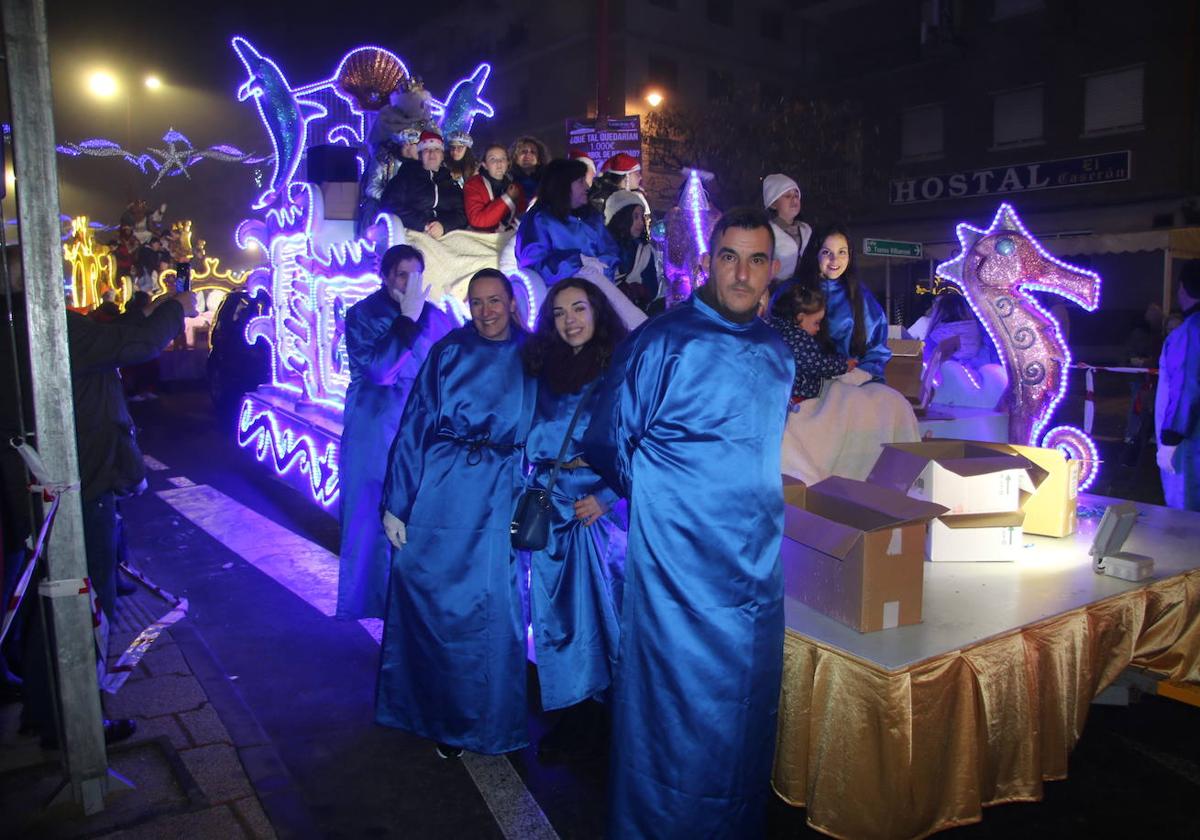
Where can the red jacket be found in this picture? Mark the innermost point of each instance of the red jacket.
(485, 211)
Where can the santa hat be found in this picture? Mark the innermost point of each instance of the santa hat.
(621, 199)
(581, 155)
(622, 164)
(430, 140)
(775, 185)
(461, 138)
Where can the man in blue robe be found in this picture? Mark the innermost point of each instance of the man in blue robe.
(689, 428)
(1177, 404)
(388, 336)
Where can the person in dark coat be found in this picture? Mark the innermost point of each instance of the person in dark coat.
(423, 194)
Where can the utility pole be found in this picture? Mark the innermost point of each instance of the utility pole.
(602, 61)
(28, 63)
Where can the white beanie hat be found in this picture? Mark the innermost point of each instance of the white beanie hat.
(621, 199)
(775, 185)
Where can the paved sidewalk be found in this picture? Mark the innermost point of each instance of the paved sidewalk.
(191, 777)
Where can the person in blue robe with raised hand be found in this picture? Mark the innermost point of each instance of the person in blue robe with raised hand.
(1177, 403)
(575, 581)
(688, 428)
(452, 667)
(388, 336)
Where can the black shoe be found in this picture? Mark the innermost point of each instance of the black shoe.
(125, 587)
(447, 751)
(115, 731)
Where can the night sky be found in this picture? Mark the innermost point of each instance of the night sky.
(188, 48)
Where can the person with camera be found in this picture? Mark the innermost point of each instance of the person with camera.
(576, 577)
(452, 667)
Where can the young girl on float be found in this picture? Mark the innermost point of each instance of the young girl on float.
(841, 431)
(781, 198)
(575, 582)
(798, 315)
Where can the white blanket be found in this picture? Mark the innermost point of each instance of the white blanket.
(841, 431)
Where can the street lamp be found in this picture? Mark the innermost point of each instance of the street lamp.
(102, 84)
(654, 98)
(153, 82)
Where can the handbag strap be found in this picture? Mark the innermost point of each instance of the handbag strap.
(562, 451)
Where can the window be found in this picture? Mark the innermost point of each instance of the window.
(719, 12)
(720, 84)
(921, 133)
(771, 25)
(1012, 8)
(1113, 101)
(663, 71)
(1017, 117)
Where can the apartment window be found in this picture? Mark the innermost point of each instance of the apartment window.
(1017, 117)
(719, 12)
(921, 133)
(1012, 8)
(771, 25)
(663, 71)
(1113, 101)
(720, 84)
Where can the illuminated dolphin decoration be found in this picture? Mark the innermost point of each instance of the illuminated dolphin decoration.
(688, 225)
(285, 116)
(463, 103)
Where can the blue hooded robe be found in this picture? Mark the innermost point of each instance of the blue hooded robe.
(1177, 412)
(689, 427)
(554, 248)
(384, 350)
(452, 667)
(839, 316)
(575, 582)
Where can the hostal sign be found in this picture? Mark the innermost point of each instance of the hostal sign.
(1020, 177)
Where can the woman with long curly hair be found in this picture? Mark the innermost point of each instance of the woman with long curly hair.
(575, 582)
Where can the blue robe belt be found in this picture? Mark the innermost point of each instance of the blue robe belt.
(475, 445)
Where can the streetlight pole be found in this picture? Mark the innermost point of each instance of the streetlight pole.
(28, 65)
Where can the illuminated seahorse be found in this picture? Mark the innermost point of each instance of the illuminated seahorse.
(997, 269)
(688, 226)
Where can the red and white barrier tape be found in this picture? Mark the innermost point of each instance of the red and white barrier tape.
(119, 672)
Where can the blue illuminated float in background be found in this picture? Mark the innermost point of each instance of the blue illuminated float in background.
(316, 268)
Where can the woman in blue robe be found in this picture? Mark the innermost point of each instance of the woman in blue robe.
(562, 235)
(575, 581)
(688, 430)
(452, 668)
(384, 349)
(857, 324)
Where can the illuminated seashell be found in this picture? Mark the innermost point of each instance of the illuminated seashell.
(369, 75)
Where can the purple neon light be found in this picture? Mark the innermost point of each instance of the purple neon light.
(951, 270)
(1077, 446)
(287, 449)
(696, 205)
(531, 318)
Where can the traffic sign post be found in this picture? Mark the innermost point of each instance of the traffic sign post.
(890, 249)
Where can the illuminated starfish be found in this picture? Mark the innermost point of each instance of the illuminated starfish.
(174, 161)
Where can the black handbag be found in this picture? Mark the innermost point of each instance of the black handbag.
(530, 528)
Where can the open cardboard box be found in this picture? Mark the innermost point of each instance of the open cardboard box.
(965, 476)
(975, 538)
(855, 551)
(1052, 511)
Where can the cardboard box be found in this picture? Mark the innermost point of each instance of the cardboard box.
(975, 538)
(1052, 511)
(964, 476)
(904, 373)
(855, 552)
